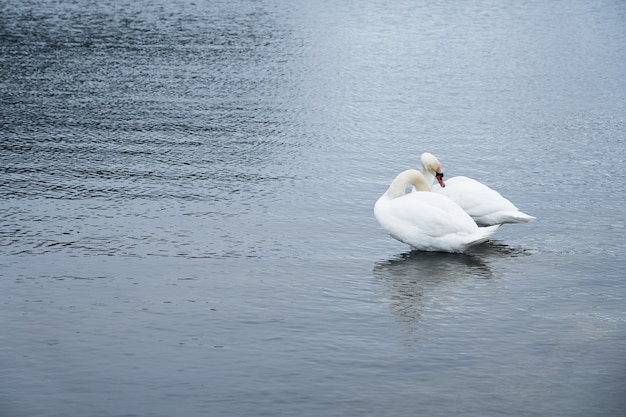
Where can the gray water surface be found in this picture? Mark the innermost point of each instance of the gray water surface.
(187, 191)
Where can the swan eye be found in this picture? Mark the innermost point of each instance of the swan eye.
(439, 174)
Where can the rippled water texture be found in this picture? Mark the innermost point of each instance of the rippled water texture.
(187, 190)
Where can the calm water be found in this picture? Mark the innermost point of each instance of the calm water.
(187, 191)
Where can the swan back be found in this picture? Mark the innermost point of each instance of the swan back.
(484, 204)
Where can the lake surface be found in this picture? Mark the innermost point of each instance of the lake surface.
(187, 191)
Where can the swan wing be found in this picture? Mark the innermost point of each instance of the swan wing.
(433, 215)
(484, 204)
(428, 221)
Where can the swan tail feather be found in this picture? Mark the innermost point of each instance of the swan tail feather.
(484, 233)
(488, 231)
(504, 217)
(518, 217)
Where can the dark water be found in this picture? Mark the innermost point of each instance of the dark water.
(187, 191)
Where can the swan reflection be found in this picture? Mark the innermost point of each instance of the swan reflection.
(410, 276)
(498, 249)
(413, 277)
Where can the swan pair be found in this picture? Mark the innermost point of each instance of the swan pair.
(436, 221)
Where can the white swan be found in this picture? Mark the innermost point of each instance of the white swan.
(485, 205)
(424, 220)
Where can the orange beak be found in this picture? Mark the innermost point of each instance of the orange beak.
(440, 179)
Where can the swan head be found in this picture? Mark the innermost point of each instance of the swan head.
(432, 165)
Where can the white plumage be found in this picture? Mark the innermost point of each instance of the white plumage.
(485, 205)
(424, 220)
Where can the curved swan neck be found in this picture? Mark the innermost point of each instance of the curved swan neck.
(403, 180)
(430, 167)
(429, 177)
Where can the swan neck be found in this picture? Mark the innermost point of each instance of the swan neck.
(403, 180)
(429, 177)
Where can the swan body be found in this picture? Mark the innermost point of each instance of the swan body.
(485, 205)
(424, 220)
